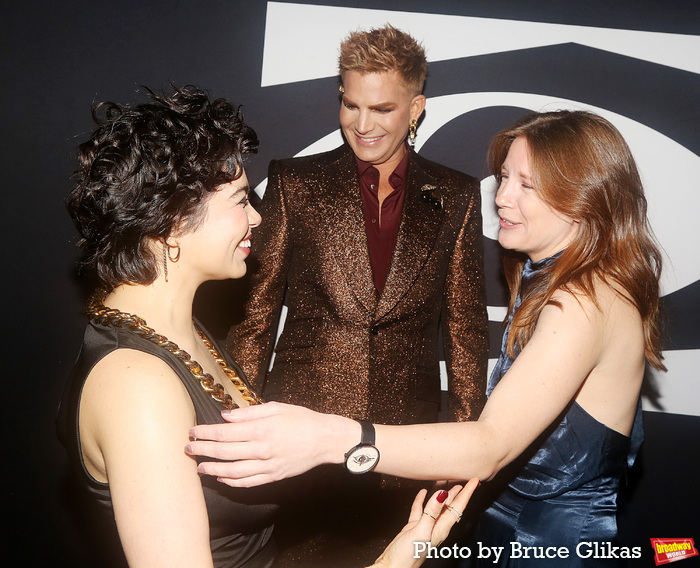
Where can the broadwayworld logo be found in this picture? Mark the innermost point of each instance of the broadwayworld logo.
(671, 549)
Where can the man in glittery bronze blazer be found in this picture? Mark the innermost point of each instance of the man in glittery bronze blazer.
(376, 248)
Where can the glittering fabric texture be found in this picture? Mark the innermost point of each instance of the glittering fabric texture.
(343, 349)
(347, 350)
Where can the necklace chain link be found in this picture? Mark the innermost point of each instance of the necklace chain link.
(99, 313)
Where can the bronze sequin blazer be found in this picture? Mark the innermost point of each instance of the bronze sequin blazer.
(344, 349)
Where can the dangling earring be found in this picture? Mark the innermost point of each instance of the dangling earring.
(412, 133)
(167, 254)
(165, 261)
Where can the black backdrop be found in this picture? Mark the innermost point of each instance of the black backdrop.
(58, 58)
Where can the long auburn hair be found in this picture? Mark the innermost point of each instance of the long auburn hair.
(581, 166)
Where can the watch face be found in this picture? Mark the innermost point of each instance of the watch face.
(362, 459)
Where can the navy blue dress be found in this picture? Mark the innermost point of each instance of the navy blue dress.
(563, 490)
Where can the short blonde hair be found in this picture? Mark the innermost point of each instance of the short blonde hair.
(385, 49)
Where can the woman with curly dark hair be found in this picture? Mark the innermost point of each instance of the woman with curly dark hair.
(161, 205)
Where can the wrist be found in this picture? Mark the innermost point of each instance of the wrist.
(344, 433)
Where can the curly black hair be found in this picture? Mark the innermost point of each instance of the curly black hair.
(145, 173)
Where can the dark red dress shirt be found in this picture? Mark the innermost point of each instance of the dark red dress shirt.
(382, 239)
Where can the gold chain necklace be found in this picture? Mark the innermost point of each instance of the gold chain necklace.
(98, 312)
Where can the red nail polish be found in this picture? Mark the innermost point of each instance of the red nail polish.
(441, 496)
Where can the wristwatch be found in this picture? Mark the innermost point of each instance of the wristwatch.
(365, 456)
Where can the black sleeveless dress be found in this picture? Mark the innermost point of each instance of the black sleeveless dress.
(240, 520)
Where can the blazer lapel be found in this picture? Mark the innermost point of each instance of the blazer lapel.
(420, 226)
(346, 230)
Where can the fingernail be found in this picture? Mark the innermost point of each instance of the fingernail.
(441, 496)
(226, 412)
(188, 449)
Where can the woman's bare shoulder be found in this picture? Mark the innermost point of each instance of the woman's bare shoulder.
(131, 372)
(133, 386)
(595, 304)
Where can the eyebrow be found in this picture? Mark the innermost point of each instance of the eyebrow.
(380, 106)
(527, 177)
(245, 189)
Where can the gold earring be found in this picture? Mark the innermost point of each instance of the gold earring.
(341, 89)
(170, 256)
(167, 254)
(165, 261)
(412, 133)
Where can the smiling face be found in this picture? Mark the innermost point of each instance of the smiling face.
(528, 224)
(218, 248)
(375, 114)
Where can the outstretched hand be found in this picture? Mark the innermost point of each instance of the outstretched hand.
(272, 441)
(426, 526)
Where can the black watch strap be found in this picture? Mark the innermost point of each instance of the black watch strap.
(368, 433)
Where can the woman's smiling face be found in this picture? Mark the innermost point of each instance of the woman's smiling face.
(528, 224)
(219, 246)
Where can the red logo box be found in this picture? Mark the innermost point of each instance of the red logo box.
(672, 549)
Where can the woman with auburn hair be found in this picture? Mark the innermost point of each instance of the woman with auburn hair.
(563, 418)
(583, 168)
(161, 205)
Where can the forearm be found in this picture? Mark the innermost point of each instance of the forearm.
(452, 450)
